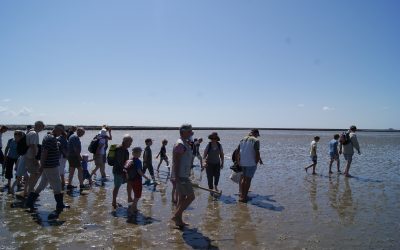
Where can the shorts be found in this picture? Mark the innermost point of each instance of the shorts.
(32, 166)
(184, 187)
(314, 159)
(99, 160)
(348, 157)
(249, 171)
(63, 161)
(334, 156)
(74, 161)
(21, 168)
(137, 187)
(119, 179)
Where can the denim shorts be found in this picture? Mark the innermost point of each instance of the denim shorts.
(249, 171)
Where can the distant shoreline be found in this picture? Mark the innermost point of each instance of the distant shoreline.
(93, 127)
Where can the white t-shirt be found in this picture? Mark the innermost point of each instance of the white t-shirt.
(248, 147)
(313, 148)
(32, 138)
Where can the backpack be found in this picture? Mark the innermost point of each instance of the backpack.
(344, 138)
(234, 154)
(94, 144)
(111, 155)
(22, 147)
(209, 147)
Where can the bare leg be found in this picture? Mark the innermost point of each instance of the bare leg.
(129, 189)
(114, 198)
(330, 166)
(80, 176)
(32, 182)
(183, 204)
(71, 175)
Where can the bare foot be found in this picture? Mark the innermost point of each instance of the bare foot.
(314, 173)
(330, 172)
(305, 169)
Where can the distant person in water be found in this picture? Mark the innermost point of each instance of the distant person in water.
(313, 154)
(334, 153)
(163, 155)
(349, 142)
(196, 151)
(181, 167)
(148, 158)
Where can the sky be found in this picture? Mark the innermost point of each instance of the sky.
(253, 63)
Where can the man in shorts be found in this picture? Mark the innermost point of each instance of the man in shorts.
(49, 162)
(121, 156)
(348, 149)
(248, 158)
(181, 166)
(31, 162)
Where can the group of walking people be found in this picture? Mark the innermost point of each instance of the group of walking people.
(48, 161)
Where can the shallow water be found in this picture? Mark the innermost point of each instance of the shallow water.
(289, 208)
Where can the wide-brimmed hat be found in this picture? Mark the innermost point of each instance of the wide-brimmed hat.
(214, 135)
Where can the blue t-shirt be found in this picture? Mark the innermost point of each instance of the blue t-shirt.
(333, 144)
(12, 149)
(133, 169)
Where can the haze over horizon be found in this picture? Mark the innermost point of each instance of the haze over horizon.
(268, 64)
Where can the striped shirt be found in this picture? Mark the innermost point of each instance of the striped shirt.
(50, 144)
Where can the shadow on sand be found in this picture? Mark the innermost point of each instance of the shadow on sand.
(135, 218)
(196, 239)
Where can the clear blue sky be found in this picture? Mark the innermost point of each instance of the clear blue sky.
(211, 63)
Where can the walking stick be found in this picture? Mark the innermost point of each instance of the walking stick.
(219, 193)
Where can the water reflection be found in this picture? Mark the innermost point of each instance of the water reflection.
(244, 228)
(342, 201)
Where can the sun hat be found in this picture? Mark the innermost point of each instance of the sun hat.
(214, 135)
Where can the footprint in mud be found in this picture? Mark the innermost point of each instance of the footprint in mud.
(92, 226)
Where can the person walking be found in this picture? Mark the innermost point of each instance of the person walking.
(75, 158)
(248, 158)
(349, 142)
(214, 160)
(181, 166)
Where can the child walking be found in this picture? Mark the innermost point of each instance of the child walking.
(334, 153)
(134, 174)
(85, 168)
(163, 155)
(313, 154)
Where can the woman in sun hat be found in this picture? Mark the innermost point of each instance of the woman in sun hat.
(214, 160)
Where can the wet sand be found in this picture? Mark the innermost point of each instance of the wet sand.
(290, 209)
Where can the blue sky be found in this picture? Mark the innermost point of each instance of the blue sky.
(231, 63)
